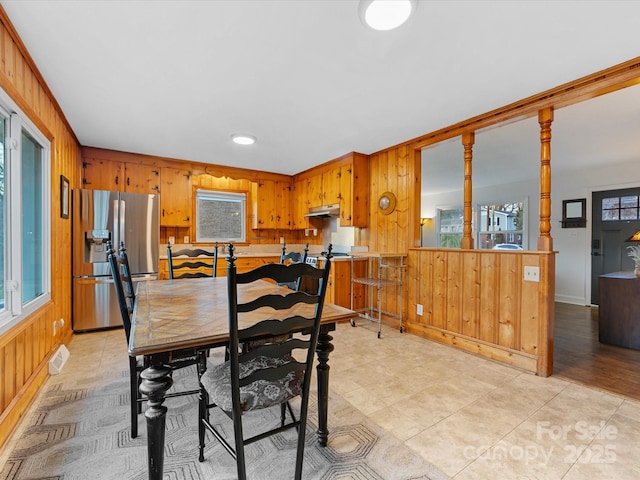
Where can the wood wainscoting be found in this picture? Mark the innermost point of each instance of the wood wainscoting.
(478, 301)
(25, 351)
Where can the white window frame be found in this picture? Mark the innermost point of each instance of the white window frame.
(213, 195)
(14, 310)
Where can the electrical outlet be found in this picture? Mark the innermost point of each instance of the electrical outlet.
(186, 239)
(172, 240)
(281, 240)
(419, 309)
(532, 274)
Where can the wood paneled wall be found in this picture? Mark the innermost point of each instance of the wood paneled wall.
(26, 348)
(478, 300)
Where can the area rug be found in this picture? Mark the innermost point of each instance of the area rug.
(81, 432)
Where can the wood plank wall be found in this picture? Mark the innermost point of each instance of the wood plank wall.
(26, 348)
(396, 170)
(478, 301)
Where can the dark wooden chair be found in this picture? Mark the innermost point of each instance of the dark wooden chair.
(293, 257)
(192, 262)
(272, 374)
(125, 292)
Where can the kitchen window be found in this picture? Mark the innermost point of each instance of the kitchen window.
(220, 216)
(25, 206)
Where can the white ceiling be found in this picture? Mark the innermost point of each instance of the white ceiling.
(177, 78)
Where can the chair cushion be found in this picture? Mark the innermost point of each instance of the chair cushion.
(253, 344)
(257, 395)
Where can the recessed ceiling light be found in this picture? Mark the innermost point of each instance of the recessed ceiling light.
(386, 14)
(243, 139)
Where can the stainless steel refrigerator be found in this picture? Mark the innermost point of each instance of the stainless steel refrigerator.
(99, 216)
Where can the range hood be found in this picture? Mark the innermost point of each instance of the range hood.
(332, 210)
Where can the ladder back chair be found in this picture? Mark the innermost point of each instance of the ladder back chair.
(125, 293)
(273, 373)
(293, 257)
(192, 262)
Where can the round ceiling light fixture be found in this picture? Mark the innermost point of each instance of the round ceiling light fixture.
(243, 139)
(386, 14)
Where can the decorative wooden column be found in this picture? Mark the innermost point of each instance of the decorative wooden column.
(545, 118)
(468, 139)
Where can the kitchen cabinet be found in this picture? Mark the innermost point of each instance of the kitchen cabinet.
(324, 188)
(331, 186)
(299, 204)
(102, 174)
(345, 182)
(141, 178)
(283, 205)
(175, 197)
(314, 191)
(271, 204)
(354, 192)
(264, 204)
(113, 175)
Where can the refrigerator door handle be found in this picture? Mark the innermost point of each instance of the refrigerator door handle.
(121, 217)
(115, 241)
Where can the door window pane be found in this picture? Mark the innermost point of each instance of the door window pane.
(620, 208)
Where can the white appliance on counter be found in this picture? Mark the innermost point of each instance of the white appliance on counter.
(100, 216)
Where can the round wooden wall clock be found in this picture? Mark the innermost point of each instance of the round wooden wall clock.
(387, 203)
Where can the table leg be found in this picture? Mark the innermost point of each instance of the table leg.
(323, 349)
(156, 380)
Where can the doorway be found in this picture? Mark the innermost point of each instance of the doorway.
(615, 217)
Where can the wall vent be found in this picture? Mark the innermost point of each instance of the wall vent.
(58, 360)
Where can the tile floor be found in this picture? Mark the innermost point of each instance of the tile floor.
(475, 419)
(470, 417)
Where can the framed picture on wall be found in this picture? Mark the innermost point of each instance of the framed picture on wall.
(64, 196)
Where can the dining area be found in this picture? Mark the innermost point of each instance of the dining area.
(258, 318)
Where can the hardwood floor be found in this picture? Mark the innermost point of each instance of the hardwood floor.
(580, 357)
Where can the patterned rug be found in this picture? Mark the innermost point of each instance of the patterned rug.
(81, 432)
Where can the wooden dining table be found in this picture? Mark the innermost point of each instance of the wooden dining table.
(173, 318)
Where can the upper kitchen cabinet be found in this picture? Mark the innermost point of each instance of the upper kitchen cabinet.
(299, 203)
(354, 191)
(141, 178)
(331, 186)
(175, 197)
(283, 205)
(314, 191)
(343, 181)
(271, 204)
(101, 174)
(324, 188)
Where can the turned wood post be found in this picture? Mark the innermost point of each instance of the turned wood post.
(468, 140)
(545, 118)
